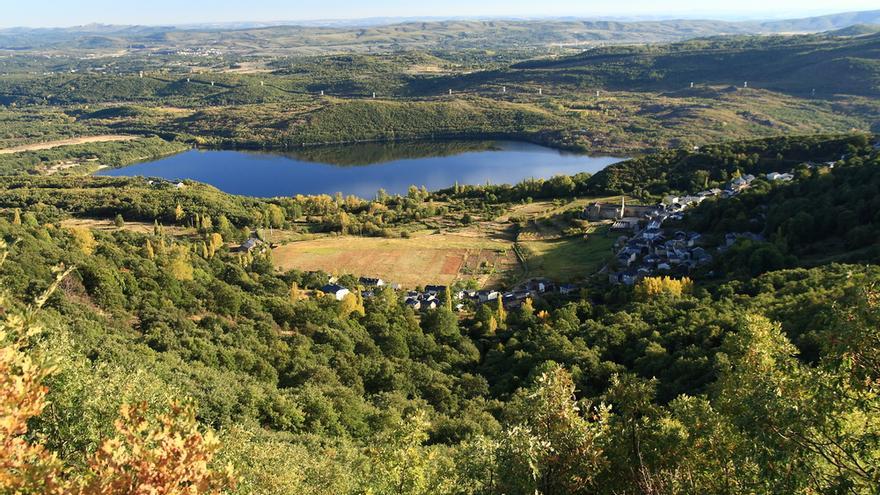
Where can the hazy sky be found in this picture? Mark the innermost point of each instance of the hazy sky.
(77, 12)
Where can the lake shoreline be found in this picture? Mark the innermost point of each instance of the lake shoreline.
(365, 168)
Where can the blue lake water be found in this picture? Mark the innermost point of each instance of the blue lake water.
(364, 169)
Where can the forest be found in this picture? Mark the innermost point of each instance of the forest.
(152, 343)
(764, 381)
(627, 100)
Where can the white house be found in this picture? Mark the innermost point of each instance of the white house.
(337, 291)
(774, 176)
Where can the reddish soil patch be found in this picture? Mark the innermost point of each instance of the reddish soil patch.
(452, 264)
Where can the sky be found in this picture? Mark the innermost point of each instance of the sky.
(54, 13)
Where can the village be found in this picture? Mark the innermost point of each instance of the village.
(433, 296)
(647, 249)
(646, 246)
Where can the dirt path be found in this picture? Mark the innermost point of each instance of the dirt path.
(66, 142)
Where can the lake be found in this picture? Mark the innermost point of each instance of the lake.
(363, 169)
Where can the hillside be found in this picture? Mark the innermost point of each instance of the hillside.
(498, 34)
(702, 316)
(299, 392)
(792, 64)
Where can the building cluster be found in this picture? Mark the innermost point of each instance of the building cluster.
(433, 296)
(191, 52)
(646, 250)
(649, 249)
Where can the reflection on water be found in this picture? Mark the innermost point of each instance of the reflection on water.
(375, 153)
(365, 168)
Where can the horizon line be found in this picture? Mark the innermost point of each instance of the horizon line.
(729, 16)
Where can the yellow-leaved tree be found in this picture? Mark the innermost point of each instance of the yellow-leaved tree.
(180, 267)
(655, 286)
(155, 454)
(161, 455)
(84, 239)
(24, 467)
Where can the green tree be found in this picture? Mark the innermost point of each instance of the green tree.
(295, 293)
(224, 226)
(227, 299)
(443, 324)
(399, 462)
(555, 443)
(816, 421)
(447, 298)
(500, 312)
(148, 250)
(350, 305)
(274, 216)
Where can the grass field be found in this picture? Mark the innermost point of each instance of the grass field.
(482, 251)
(65, 142)
(139, 227)
(427, 259)
(568, 259)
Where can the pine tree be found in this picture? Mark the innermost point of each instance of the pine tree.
(161, 247)
(500, 313)
(84, 240)
(215, 242)
(360, 301)
(148, 250)
(180, 267)
(492, 327)
(119, 222)
(295, 293)
(206, 224)
(447, 298)
(527, 307)
(344, 222)
(223, 225)
(178, 213)
(653, 286)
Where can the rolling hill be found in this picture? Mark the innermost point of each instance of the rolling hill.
(499, 34)
(797, 65)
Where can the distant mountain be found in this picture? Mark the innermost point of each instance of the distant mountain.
(857, 30)
(821, 23)
(829, 64)
(383, 34)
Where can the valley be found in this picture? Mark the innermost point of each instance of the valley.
(438, 256)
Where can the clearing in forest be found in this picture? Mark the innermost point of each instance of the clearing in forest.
(418, 261)
(66, 142)
(107, 225)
